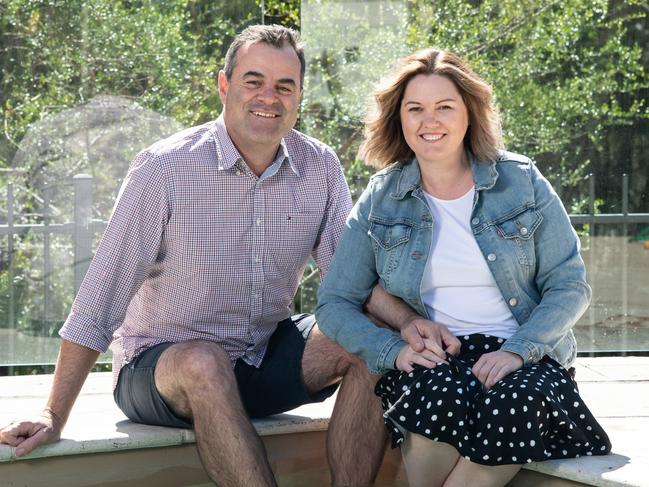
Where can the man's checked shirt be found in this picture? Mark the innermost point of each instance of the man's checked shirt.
(198, 247)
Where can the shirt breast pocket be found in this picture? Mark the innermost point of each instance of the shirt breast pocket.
(518, 231)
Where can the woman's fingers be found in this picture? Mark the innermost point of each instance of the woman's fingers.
(407, 358)
(494, 366)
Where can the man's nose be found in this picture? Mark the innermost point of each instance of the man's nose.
(267, 94)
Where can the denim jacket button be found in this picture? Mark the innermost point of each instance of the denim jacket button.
(475, 221)
(513, 302)
(491, 257)
(524, 231)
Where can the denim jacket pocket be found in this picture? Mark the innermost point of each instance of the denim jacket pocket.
(389, 234)
(390, 240)
(519, 230)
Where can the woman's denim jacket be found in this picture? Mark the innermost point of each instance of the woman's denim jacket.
(521, 228)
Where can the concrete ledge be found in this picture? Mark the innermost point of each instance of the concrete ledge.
(96, 424)
(616, 389)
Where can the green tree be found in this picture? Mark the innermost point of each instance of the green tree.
(566, 74)
(57, 55)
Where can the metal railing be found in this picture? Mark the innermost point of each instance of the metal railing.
(83, 230)
(592, 218)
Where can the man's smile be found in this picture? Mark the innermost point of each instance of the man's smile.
(264, 114)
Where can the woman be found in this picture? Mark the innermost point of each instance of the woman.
(475, 239)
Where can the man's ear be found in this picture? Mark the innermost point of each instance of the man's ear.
(224, 85)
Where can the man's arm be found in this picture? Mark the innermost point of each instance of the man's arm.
(72, 368)
(419, 332)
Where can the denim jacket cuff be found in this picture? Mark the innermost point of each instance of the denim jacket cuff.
(527, 351)
(388, 354)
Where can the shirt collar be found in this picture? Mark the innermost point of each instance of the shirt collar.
(484, 176)
(228, 155)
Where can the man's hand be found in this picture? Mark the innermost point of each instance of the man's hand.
(407, 358)
(27, 435)
(422, 334)
(492, 367)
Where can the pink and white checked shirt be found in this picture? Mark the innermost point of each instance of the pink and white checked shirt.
(198, 247)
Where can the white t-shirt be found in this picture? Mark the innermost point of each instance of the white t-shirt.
(457, 287)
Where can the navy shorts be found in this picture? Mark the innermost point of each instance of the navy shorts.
(275, 387)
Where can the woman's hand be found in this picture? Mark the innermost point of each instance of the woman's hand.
(422, 334)
(493, 366)
(407, 358)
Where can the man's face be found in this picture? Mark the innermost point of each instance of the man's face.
(262, 97)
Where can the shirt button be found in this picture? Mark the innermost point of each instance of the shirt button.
(475, 221)
(258, 222)
(513, 302)
(491, 257)
(524, 231)
(257, 259)
(238, 173)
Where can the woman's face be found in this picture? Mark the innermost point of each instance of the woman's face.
(434, 119)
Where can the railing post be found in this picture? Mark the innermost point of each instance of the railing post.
(591, 245)
(82, 227)
(10, 251)
(47, 263)
(625, 258)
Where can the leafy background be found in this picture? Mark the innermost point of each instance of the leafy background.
(570, 79)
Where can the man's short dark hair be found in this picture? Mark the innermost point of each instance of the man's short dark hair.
(273, 35)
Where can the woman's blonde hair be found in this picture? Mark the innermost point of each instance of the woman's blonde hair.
(384, 142)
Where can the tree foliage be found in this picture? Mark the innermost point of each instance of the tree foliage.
(566, 74)
(570, 78)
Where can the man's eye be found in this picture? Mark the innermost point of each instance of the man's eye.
(285, 90)
(253, 82)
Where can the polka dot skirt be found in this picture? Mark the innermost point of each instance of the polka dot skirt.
(531, 415)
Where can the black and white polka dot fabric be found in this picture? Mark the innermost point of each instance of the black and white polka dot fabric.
(531, 415)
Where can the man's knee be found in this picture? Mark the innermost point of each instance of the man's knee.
(195, 362)
(343, 361)
(325, 362)
(349, 363)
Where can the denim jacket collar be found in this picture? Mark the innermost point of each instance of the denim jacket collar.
(485, 176)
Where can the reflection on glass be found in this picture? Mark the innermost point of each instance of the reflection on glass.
(84, 86)
(66, 176)
(549, 94)
(352, 44)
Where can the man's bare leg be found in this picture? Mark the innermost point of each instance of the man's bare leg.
(357, 437)
(196, 380)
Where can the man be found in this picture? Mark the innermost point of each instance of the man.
(195, 275)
